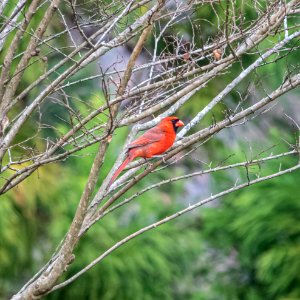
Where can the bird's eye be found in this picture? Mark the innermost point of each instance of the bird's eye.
(175, 121)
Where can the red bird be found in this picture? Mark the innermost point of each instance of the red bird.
(154, 141)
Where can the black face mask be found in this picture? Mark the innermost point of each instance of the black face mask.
(174, 124)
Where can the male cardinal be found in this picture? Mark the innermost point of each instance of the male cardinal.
(154, 141)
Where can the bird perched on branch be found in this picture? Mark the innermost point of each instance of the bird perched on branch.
(153, 142)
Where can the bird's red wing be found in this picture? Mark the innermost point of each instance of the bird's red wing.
(151, 136)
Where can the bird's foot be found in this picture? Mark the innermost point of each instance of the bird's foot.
(160, 156)
(148, 164)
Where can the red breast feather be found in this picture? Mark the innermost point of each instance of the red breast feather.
(153, 142)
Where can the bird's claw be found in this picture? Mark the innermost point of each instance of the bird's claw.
(160, 156)
(148, 164)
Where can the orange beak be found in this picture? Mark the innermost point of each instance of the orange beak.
(179, 123)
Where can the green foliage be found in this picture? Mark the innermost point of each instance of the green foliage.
(146, 268)
(149, 267)
(25, 216)
(246, 248)
(261, 226)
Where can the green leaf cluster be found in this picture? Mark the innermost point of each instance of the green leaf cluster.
(258, 229)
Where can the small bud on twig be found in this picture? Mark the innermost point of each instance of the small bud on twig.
(217, 54)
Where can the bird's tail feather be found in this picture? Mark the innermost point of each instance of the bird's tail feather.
(120, 169)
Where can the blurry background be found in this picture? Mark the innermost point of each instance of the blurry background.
(243, 246)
